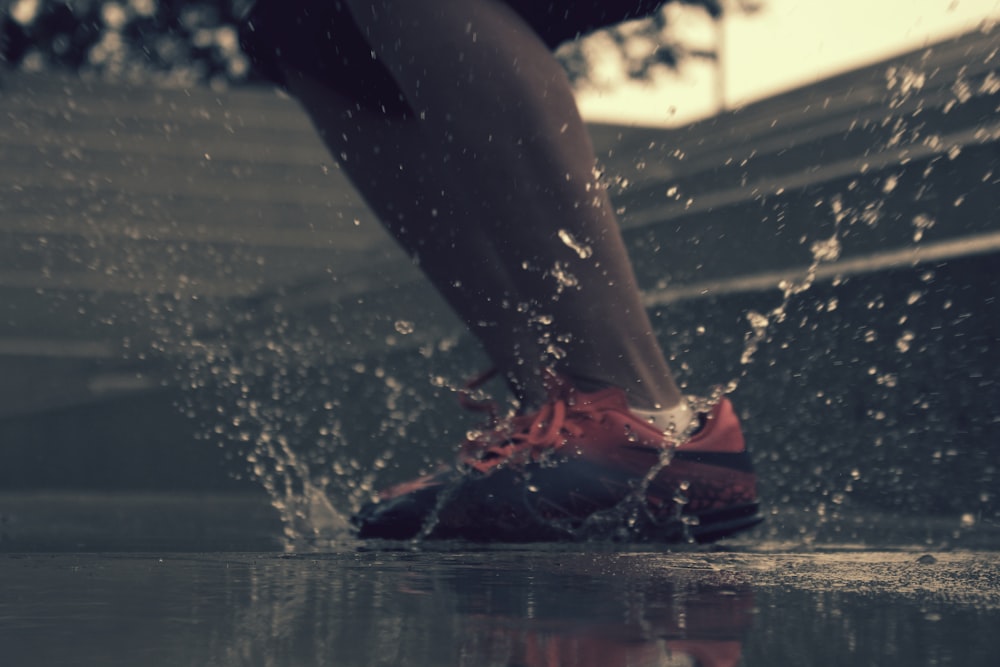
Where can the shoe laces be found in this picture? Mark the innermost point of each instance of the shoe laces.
(532, 436)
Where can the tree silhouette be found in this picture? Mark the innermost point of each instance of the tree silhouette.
(191, 41)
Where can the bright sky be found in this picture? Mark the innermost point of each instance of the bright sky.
(788, 44)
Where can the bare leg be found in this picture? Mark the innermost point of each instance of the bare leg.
(422, 202)
(520, 214)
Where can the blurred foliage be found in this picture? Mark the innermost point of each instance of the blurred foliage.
(189, 41)
(183, 40)
(647, 45)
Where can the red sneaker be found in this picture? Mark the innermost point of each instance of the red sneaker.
(582, 466)
(668, 623)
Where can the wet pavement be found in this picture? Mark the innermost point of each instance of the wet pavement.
(576, 606)
(118, 579)
(165, 580)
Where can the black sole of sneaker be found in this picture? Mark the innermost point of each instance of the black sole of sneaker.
(411, 515)
(717, 524)
(503, 507)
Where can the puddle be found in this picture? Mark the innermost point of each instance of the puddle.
(541, 607)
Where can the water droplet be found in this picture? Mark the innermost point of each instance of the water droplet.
(758, 324)
(903, 343)
(563, 277)
(826, 250)
(404, 327)
(583, 251)
(555, 351)
(887, 380)
(921, 223)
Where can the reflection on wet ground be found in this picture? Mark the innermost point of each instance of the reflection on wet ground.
(578, 606)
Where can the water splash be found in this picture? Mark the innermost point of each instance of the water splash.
(904, 86)
(822, 251)
(759, 324)
(269, 393)
(306, 511)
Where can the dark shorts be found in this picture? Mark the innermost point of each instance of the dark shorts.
(320, 38)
